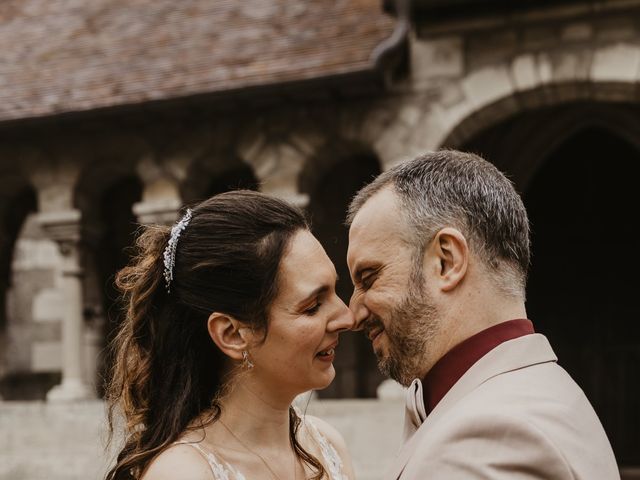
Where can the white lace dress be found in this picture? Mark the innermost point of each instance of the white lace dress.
(330, 459)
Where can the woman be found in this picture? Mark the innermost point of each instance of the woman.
(230, 316)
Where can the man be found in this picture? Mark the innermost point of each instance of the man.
(438, 254)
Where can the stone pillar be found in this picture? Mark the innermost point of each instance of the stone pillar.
(63, 227)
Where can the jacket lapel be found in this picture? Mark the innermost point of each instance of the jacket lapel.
(511, 355)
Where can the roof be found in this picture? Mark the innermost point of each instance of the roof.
(60, 56)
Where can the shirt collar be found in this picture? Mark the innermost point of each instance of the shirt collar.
(455, 363)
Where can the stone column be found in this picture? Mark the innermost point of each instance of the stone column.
(63, 227)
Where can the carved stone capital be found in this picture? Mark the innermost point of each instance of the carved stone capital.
(158, 212)
(63, 227)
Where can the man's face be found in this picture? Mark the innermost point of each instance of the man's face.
(391, 301)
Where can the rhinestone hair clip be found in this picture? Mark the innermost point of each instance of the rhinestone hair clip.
(170, 251)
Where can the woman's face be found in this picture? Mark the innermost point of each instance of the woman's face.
(304, 321)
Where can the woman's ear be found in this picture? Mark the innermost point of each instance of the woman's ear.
(230, 335)
(452, 254)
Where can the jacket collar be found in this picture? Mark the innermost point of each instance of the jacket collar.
(511, 355)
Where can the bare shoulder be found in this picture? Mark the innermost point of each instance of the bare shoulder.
(179, 462)
(336, 439)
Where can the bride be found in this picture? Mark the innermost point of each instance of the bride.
(229, 316)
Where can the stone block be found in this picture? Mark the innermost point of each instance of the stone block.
(524, 72)
(377, 120)
(487, 85)
(578, 31)
(452, 116)
(545, 68)
(48, 306)
(35, 254)
(535, 38)
(616, 29)
(46, 356)
(429, 133)
(410, 114)
(572, 65)
(450, 93)
(616, 63)
(490, 48)
(436, 58)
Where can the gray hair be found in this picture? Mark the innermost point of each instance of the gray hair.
(464, 191)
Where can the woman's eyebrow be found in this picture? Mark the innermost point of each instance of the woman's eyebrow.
(318, 291)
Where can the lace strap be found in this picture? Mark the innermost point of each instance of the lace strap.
(329, 453)
(220, 469)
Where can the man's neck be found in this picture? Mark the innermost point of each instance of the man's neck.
(462, 323)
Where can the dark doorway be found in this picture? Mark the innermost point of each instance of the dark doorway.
(17, 201)
(356, 371)
(113, 253)
(240, 177)
(583, 283)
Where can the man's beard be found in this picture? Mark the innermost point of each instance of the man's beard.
(411, 326)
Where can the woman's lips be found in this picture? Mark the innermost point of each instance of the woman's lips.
(328, 353)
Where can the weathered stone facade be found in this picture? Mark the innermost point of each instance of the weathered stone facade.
(516, 86)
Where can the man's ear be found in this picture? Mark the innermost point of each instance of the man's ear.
(451, 254)
(229, 334)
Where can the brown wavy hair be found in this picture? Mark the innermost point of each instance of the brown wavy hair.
(167, 372)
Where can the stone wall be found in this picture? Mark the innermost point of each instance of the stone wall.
(40, 441)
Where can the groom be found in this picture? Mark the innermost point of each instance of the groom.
(438, 254)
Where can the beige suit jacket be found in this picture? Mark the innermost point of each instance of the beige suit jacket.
(515, 414)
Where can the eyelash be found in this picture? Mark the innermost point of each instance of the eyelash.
(367, 281)
(313, 310)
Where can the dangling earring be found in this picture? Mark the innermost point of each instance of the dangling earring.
(246, 363)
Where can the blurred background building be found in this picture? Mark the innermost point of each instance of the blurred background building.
(116, 113)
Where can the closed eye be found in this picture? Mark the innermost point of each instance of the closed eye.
(313, 310)
(367, 279)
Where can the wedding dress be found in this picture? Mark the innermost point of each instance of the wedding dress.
(223, 471)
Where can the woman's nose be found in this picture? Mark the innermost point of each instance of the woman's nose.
(342, 320)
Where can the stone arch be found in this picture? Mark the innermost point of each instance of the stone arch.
(489, 94)
(520, 144)
(215, 173)
(330, 178)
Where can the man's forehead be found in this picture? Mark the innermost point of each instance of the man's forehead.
(377, 222)
(380, 207)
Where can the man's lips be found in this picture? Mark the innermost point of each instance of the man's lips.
(373, 333)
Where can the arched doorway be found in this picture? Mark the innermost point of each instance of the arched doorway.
(111, 251)
(580, 192)
(331, 180)
(208, 177)
(583, 281)
(21, 279)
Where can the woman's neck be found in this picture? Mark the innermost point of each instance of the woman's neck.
(250, 412)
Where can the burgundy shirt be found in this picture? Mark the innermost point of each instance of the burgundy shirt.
(450, 368)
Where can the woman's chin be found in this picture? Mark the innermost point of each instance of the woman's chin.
(322, 380)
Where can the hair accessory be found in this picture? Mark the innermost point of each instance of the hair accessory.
(246, 363)
(170, 251)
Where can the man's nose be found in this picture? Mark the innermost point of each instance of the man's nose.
(360, 312)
